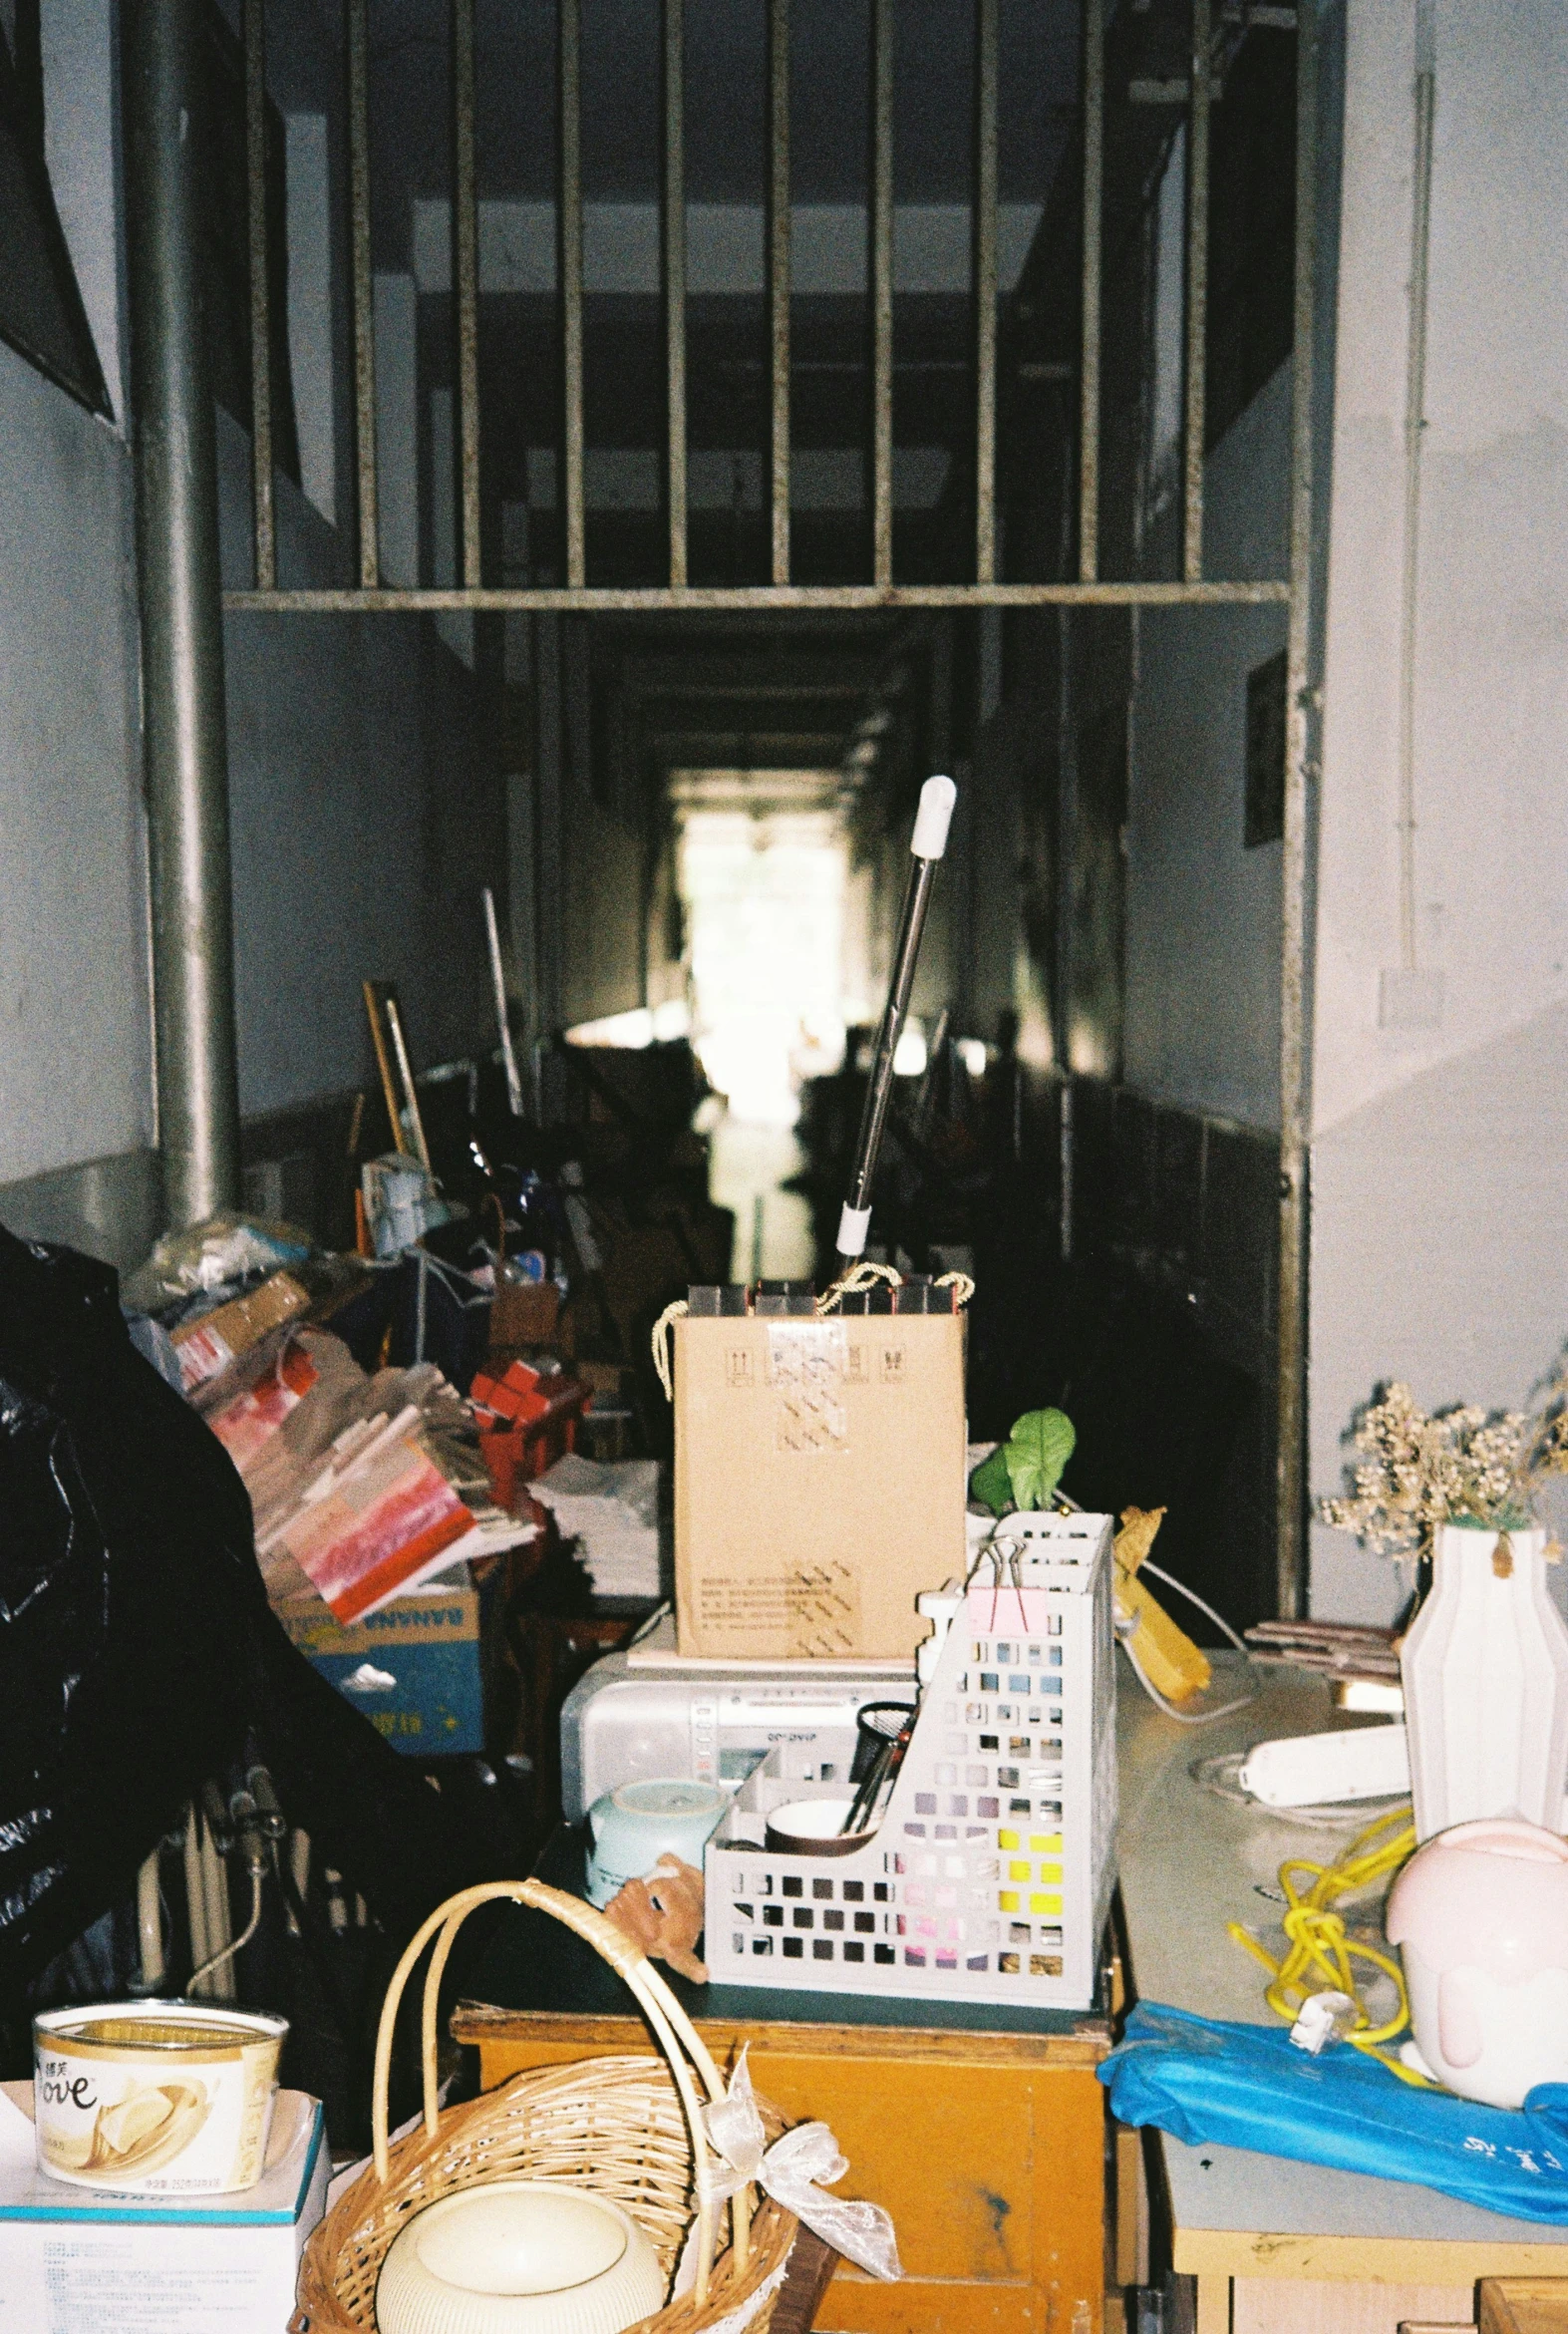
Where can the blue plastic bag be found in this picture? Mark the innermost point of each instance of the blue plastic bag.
(1217, 2085)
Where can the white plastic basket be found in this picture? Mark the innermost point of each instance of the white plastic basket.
(990, 1876)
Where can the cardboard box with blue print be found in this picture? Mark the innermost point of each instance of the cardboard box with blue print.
(419, 1667)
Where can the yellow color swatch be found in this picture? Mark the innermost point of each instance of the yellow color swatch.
(1045, 1905)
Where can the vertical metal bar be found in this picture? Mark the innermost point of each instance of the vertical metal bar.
(466, 254)
(572, 287)
(180, 581)
(1294, 994)
(1088, 360)
(882, 290)
(551, 889)
(1197, 291)
(675, 276)
(779, 257)
(986, 291)
(263, 514)
(1415, 431)
(364, 314)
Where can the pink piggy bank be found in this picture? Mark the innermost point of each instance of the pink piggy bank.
(1481, 1917)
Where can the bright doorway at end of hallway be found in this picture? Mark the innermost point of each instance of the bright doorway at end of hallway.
(766, 894)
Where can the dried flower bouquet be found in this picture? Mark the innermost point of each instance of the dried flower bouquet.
(1424, 1468)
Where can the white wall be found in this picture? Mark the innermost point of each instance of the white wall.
(75, 1054)
(308, 184)
(81, 148)
(1202, 1015)
(363, 820)
(1440, 1157)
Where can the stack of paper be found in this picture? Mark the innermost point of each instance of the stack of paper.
(612, 1512)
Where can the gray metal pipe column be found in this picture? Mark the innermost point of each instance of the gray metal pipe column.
(181, 617)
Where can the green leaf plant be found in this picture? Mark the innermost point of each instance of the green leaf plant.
(1024, 1471)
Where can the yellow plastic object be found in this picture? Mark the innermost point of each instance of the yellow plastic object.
(1319, 1953)
(1166, 1655)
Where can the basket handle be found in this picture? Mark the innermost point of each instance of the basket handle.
(677, 2038)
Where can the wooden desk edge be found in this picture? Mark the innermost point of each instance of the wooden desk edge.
(489, 2024)
(1389, 2260)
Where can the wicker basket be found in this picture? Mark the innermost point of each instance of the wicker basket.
(628, 2128)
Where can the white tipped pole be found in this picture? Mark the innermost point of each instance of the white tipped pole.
(499, 985)
(926, 845)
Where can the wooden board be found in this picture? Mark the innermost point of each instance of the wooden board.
(1524, 2305)
(1268, 2305)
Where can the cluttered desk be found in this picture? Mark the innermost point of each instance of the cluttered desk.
(1273, 2242)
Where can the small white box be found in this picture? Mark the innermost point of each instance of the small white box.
(79, 2260)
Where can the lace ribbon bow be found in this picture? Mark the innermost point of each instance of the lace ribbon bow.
(790, 2171)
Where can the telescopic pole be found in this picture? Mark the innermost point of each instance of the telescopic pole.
(926, 845)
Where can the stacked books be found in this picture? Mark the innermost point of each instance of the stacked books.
(1338, 1649)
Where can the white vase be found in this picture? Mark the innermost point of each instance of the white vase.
(1486, 1671)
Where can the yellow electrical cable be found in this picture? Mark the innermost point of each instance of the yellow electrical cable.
(1319, 1953)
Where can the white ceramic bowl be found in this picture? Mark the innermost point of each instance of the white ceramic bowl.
(518, 2258)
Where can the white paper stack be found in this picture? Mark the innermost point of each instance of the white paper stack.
(612, 1512)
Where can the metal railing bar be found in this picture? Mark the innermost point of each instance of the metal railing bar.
(675, 276)
(466, 276)
(1089, 373)
(985, 290)
(1295, 975)
(1197, 289)
(779, 260)
(882, 291)
(263, 511)
(572, 288)
(364, 313)
(548, 599)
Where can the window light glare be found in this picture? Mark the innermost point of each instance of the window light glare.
(634, 1029)
(909, 1055)
(671, 1020)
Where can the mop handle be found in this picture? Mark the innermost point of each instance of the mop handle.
(499, 985)
(926, 845)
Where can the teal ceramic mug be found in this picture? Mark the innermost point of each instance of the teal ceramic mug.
(638, 1823)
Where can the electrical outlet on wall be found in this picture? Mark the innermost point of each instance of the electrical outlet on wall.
(1410, 999)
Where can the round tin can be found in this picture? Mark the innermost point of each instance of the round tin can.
(154, 2098)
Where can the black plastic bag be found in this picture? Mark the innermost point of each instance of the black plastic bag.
(137, 1645)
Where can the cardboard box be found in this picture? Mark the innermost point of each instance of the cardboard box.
(210, 1346)
(74, 2257)
(417, 1667)
(820, 1483)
